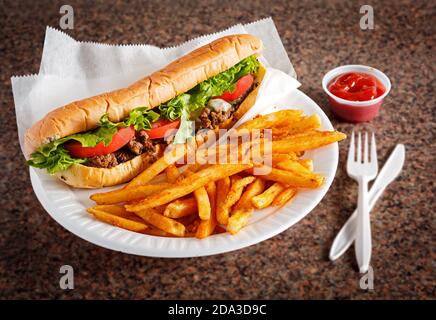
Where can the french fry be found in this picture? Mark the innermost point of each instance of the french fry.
(152, 231)
(307, 163)
(191, 169)
(118, 211)
(211, 189)
(201, 197)
(118, 221)
(229, 152)
(166, 224)
(115, 209)
(188, 185)
(255, 188)
(305, 124)
(238, 220)
(131, 194)
(291, 178)
(159, 166)
(284, 197)
(222, 190)
(264, 199)
(206, 227)
(203, 203)
(297, 167)
(172, 173)
(271, 120)
(306, 141)
(235, 192)
(279, 157)
(181, 208)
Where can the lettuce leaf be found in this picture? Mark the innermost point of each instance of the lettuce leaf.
(54, 157)
(197, 97)
(57, 160)
(141, 118)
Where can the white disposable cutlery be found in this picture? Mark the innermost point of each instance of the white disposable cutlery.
(362, 170)
(388, 173)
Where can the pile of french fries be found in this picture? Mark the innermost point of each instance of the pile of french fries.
(208, 197)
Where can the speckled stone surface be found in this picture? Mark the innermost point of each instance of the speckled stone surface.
(318, 35)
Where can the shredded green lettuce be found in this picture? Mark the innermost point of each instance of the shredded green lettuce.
(53, 156)
(141, 118)
(57, 160)
(197, 97)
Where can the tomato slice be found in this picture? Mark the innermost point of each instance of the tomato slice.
(160, 127)
(241, 86)
(119, 140)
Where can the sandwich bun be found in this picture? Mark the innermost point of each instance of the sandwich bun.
(81, 176)
(178, 77)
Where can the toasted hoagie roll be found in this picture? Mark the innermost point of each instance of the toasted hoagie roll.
(108, 139)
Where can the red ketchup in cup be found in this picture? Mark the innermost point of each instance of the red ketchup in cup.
(356, 92)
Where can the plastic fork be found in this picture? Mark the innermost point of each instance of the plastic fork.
(362, 170)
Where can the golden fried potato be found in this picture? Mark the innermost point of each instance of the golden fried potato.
(181, 208)
(166, 224)
(203, 203)
(238, 220)
(306, 141)
(284, 196)
(304, 124)
(131, 194)
(237, 187)
(117, 221)
(271, 120)
(206, 227)
(172, 173)
(255, 188)
(264, 199)
(307, 163)
(188, 185)
(223, 188)
(291, 178)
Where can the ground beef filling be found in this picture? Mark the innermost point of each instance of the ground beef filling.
(140, 144)
(210, 119)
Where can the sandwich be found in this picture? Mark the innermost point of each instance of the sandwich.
(110, 138)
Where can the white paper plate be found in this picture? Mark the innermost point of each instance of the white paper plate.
(68, 207)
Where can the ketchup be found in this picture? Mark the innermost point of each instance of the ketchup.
(354, 86)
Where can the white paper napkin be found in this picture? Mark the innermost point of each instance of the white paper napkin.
(67, 58)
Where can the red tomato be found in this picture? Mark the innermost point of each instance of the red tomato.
(356, 87)
(160, 127)
(241, 86)
(119, 140)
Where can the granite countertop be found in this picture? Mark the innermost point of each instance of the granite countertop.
(318, 35)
